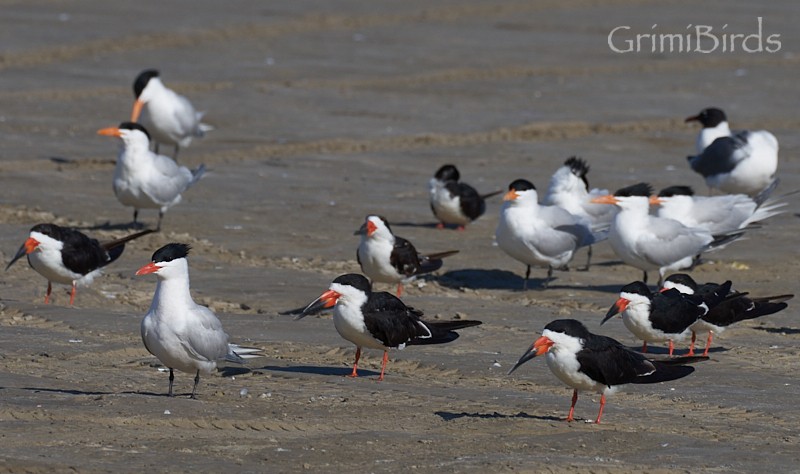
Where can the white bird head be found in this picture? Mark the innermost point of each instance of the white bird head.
(132, 134)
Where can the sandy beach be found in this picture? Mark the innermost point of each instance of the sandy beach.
(325, 112)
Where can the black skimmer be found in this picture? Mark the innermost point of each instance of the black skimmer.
(147, 180)
(586, 361)
(662, 316)
(734, 308)
(67, 256)
(387, 258)
(171, 117)
(180, 333)
(649, 242)
(379, 320)
(536, 234)
(569, 190)
(733, 162)
(454, 202)
(718, 215)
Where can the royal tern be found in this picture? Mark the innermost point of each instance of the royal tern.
(733, 162)
(67, 256)
(147, 180)
(716, 214)
(379, 320)
(654, 243)
(586, 361)
(541, 235)
(569, 190)
(171, 117)
(386, 258)
(454, 202)
(180, 333)
(734, 308)
(662, 316)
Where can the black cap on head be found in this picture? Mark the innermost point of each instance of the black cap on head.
(682, 279)
(676, 191)
(141, 81)
(171, 252)
(637, 287)
(710, 117)
(570, 327)
(579, 168)
(638, 189)
(50, 230)
(521, 185)
(355, 280)
(134, 126)
(447, 173)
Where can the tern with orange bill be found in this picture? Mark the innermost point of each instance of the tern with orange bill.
(171, 118)
(147, 180)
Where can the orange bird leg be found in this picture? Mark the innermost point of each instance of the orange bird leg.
(572, 407)
(72, 295)
(708, 343)
(440, 225)
(671, 347)
(644, 346)
(602, 405)
(355, 364)
(461, 227)
(399, 290)
(691, 346)
(47, 295)
(383, 365)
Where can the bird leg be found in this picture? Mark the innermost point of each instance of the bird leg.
(175, 155)
(72, 295)
(399, 290)
(196, 381)
(644, 346)
(440, 225)
(708, 343)
(671, 347)
(527, 275)
(355, 364)
(160, 215)
(461, 227)
(588, 259)
(572, 407)
(691, 346)
(135, 218)
(602, 405)
(47, 295)
(383, 365)
(644, 277)
(549, 276)
(171, 379)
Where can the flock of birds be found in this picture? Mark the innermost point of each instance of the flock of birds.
(189, 337)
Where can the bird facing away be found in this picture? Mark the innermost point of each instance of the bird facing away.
(734, 162)
(454, 202)
(716, 214)
(586, 361)
(569, 190)
(540, 235)
(735, 307)
(649, 242)
(662, 316)
(146, 180)
(379, 320)
(67, 256)
(387, 258)
(180, 333)
(171, 117)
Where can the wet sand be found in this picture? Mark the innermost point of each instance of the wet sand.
(325, 112)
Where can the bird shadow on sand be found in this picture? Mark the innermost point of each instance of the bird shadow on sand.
(90, 393)
(450, 416)
(664, 351)
(780, 330)
(494, 279)
(427, 225)
(109, 226)
(316, 370)
(229, 371)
